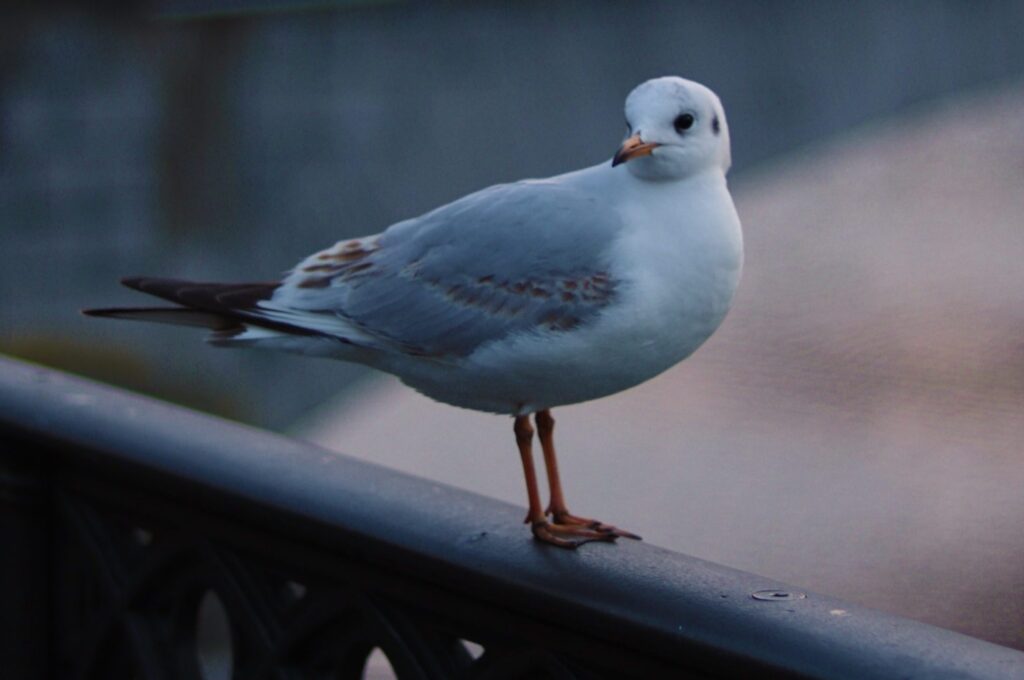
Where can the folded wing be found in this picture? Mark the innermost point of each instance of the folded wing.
(517, 258)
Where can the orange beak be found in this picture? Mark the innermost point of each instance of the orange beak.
(632, 148)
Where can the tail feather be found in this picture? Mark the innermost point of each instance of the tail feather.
(226, 308)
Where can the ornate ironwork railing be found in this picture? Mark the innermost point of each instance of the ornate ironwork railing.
(135, 533)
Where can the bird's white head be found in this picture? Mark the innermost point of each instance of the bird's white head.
(674, 128)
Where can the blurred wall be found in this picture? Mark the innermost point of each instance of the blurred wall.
(228, 148)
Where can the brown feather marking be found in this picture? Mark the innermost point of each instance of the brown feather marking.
(350, 251)
(559, 322)
(457, 296)
(347, 255)
(566, 323)
(315, 282)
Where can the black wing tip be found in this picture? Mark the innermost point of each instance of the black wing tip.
(133, 281)
(178, 316)
(98, 311)
(236, 301)
(140, 283)
(116, 312)
(173, 288)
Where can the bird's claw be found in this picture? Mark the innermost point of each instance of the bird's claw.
(564, 517)
(569, 531)
(568, 536)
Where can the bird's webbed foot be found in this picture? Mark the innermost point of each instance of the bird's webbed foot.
(568, 535)
(566, 519)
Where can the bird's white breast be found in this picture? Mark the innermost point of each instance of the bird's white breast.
(681, 254)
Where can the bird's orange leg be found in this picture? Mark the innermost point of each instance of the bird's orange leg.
(557, 508)
(542, 529)
(524, 440)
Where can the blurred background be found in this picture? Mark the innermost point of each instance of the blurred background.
(855, 427)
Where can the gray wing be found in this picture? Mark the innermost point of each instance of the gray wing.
(512, 258)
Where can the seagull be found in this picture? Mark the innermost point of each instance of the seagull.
(520, 297)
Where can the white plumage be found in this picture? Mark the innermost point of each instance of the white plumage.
(525, 296)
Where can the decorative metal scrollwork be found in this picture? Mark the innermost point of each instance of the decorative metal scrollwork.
(157, 603)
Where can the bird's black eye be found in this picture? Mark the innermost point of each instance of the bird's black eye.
(683, 122)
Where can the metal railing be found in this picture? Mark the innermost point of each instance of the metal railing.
(123, 518)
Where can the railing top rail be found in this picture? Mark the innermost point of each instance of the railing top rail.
(653, 601)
